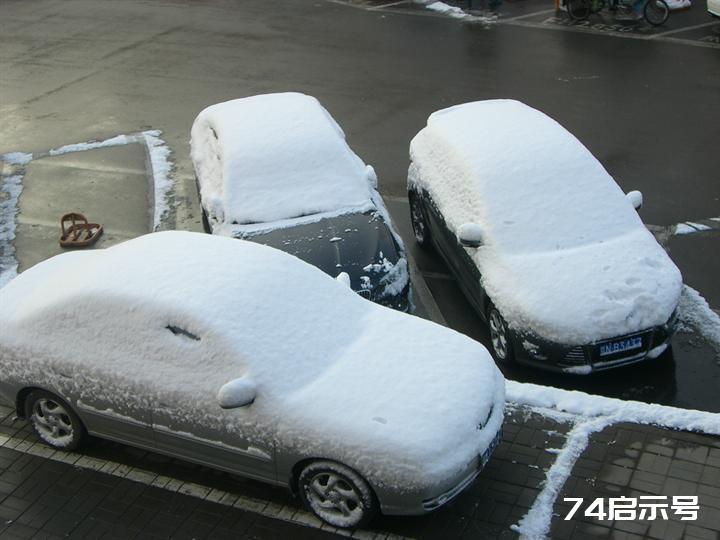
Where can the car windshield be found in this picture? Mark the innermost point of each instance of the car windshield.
(570, 215)
(528, 182)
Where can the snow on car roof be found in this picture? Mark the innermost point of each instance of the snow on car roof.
(272, 157)
(530, 183)
(327, 363)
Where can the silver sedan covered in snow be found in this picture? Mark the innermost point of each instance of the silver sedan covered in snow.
(243, 358)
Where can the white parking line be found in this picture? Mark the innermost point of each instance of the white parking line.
(528, 15)
(547, 25)
(686, 29)
(389, 4)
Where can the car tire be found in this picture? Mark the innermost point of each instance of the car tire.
(578, 10)
(656, 12)
(54, 420)
(500, 342)
(337, 495)
(417, 218)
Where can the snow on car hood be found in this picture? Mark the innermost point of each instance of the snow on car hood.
(272, 157)
(564, 252)
(400, 399)
(580, 295)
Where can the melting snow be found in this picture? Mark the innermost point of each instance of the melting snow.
(592, 414)
(697, 315)
(10, 189)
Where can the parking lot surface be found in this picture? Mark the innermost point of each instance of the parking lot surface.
(76, 71)
(113, 491)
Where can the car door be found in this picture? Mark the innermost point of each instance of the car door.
(106, 380)
(458, 258)
(189, 423)
(127, 421)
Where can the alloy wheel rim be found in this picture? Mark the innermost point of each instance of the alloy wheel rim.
(497, 335)
(52, 422)
(333, 497)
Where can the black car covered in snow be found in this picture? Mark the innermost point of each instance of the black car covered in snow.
(275, 169)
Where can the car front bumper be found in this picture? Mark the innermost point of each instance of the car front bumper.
(417, 503)
(587, 359)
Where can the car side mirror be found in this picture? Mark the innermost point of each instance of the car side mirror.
(470, 235)
(635, 198)
(237, 393)
(371, 176)
(344, 278)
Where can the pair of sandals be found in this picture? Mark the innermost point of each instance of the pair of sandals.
(77, 232)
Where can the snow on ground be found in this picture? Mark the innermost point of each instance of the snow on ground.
(300, 337)
(547, 207)
(453, 11)
(442, 7)
(10, 189)
(119, 140)
(591, 415)
(697, 316)
(689, 227)
(11, 186)
(159, 154)
(274, 157)
(16, 158)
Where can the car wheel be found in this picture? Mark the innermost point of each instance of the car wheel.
(656, 12)
(54, 421)
(499, 337)
(419, 225)
(337, 494)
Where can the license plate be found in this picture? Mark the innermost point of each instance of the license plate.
(621, 345)
(485, 457)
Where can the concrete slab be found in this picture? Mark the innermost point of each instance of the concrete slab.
(110, 186)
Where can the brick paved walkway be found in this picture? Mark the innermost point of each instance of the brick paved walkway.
(114, 491)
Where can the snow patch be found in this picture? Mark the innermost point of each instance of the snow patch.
(10, 189)
(17, 158)
(453, 11)
(592, 414)
(119, 140)
(689, 227)
(161, 165)
(696, 315)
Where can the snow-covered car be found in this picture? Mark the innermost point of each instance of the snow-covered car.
(276, 169)
(544, 244)
(713, 7)
(241, 357)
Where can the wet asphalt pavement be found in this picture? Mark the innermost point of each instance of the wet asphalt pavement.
(76, 70)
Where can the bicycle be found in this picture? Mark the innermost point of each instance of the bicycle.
(655, 12)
